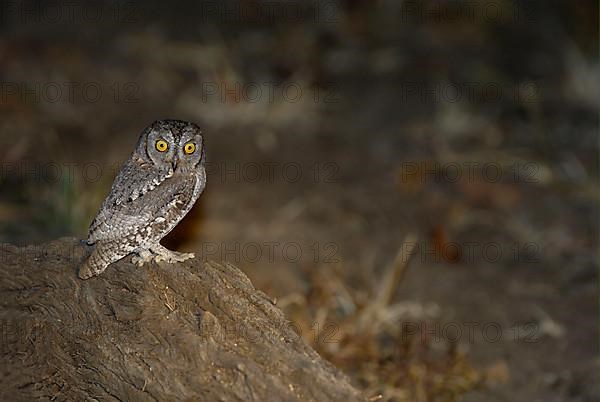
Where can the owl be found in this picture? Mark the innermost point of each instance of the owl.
(155, 188)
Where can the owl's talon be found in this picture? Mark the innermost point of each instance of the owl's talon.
(142, 258)
(164, 254)
(174, 256)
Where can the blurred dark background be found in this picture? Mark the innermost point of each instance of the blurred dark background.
(340, 136)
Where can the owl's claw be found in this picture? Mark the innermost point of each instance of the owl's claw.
(142, 258)
(158, 254)
(174, 257)
(164, 254)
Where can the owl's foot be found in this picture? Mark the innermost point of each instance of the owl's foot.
(164, 254)
(142, 257)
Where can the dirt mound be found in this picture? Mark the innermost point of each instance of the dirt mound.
(191, 331)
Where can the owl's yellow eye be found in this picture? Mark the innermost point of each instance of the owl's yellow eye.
(189, 148)
(161, 145)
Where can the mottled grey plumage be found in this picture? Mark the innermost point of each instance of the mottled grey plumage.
(153, 191)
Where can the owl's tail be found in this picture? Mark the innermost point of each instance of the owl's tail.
(96, 262)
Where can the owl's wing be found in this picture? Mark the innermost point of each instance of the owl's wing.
(136, 206)
(136, 178)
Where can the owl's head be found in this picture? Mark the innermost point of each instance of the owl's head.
(172, 144)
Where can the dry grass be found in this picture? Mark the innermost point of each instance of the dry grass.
(363, 333)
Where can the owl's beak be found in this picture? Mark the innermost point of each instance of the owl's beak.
(174, 163)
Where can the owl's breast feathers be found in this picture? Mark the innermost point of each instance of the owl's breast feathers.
(146, 204)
